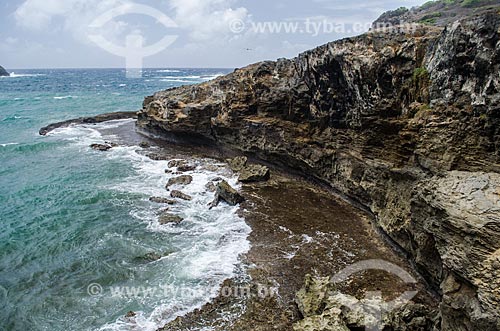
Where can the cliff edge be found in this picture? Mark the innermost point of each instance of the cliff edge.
(404, 121)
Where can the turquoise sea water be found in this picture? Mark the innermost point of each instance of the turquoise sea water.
(74, 222)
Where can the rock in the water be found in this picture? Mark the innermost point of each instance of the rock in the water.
(228, 194)
(101, 147)
(162, 200)
(238, 163)
(181, 180)
(169, 219)
(130, 314)
(144, 144)
(186, 168)
(210, 186)
(177, 163)
(157, 157)
(3, 72)
(151, 257)
(254, 173)
(180, 195)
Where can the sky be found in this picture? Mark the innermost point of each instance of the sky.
(175, 33)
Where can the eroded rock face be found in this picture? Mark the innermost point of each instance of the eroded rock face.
(405, 122)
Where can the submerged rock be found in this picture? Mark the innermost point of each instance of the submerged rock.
(181, 180)
(151, 257)
(167, 218)
(254, 173)
(101, 147)
(180, 195)
(162, 200)
(226, 193)
(238, 163)
(177, 163)
(144, 144)
(157, 157)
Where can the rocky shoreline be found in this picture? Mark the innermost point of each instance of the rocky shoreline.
(405, 122)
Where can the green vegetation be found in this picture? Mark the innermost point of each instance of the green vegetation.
(474, 3)
(420, 74)
(430, 18)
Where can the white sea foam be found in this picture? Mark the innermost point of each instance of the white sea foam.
(14, 75)
(8, 144)
(66, 97)
(208, 242)
(168, 70)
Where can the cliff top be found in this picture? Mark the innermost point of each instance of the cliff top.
(437, 13)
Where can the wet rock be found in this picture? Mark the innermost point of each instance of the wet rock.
(254, 173)
(144, 144)
(162, 200)
(157, 157)
(110, 143)
(88, 120)
(181, 180)
(238, 163)
(151, 257)
(177, 163)
(226, 193)
(186, 168)
(101, 147)
(170, 219)
(180, 195)
(130, 314)
(210, 186)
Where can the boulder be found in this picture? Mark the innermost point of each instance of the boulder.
(130, 314)
(238, 163)
(3, 72)
(180, 195)
(181, 180)
(170, 219)
(226, 193)
(144, 144)
(162, 200)
(186, 168)
(101, 147)
(177, 163)
(151, 257)
(254, 173)
(157, 157)
(210, 186)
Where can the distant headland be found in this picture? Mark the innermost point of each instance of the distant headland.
(3, 72)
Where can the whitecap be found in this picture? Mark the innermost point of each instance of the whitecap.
(14, 75)
(8, 144)
(168, 70)
(66, 97)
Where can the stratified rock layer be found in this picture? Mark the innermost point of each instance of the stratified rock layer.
(404, 122)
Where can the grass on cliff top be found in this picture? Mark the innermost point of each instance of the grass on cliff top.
(462, 3)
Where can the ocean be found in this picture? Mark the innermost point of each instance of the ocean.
(77, 224)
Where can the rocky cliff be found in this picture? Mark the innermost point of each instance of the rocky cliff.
(404, 121)
(3, 72)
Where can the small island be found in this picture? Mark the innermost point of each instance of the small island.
(3, 72)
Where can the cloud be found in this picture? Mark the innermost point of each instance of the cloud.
(207, 19)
